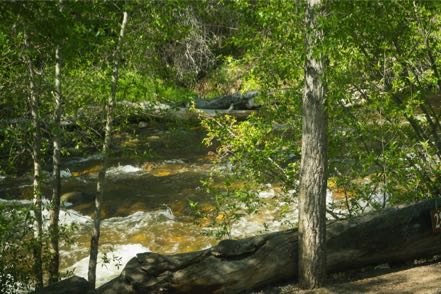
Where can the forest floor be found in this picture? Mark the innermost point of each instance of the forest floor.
(420, 279)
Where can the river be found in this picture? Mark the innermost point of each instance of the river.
(152, 175)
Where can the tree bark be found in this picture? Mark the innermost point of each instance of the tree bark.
(36, 138)
(392, 235)
(72, 285)
(54, 262)
(312, 198)
(105, 153)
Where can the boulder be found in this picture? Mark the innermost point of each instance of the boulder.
(76, 197)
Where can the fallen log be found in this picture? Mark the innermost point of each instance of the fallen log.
(163, 111)
(242, 108)
(234, 101)
(186, 114)
(392, 235)
(72, 285)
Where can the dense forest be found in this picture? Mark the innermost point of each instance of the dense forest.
(156, 129)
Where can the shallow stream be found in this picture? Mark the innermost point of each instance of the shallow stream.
(151, 177)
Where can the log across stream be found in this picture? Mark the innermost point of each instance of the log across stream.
(393, 235)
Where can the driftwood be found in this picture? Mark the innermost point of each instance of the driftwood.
(234, 101)
(394, 235)
(237, 105)
(185, 114)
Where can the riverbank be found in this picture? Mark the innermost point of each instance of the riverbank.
(381, 279)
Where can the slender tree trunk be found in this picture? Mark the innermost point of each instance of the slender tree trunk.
(105, 153)
(312, 199)
(38, 227)
(54, 263)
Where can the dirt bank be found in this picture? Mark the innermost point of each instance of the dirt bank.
(382, 279)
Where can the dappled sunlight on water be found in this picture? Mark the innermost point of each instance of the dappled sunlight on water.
(146, 200)
(94, 169)
(158, 231)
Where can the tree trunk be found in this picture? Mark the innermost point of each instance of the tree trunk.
(312, 198)
(54, 263)
(36, 138)
(393, 235)
(105, 153)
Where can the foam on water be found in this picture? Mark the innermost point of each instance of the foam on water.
(66, 217)
(69, 217)
(117, 258)
(65, 173)
(138, 220)
(120, 230)
(374, 200)
(121, 170)
(267, 220)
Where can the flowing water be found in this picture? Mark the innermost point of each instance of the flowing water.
(152, 175)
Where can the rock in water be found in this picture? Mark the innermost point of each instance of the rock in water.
(76, 197)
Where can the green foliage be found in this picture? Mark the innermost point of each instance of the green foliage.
(253, 149)
(254, 152)
(379, 85)
(383, 92)
(383, 127)
(233, 200)
(231, 76)
(137, 87)
(109, 256)
(15, 248)
(16, 243)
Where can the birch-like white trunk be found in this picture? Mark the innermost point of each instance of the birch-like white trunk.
(312, 198)
(94, 243)
(54, 262)
(36, 143)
